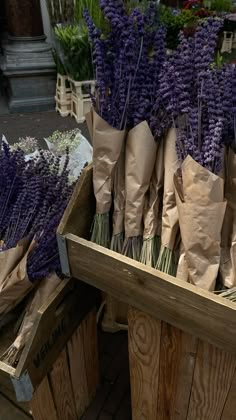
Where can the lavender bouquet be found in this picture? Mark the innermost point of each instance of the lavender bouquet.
(195, 103)
(33, 197)
(128, 62)
(106, 121)
(141, 148)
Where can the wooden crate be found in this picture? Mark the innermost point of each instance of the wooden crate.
(81, 100)
(63, 96)
(182, 342)
(58, 371)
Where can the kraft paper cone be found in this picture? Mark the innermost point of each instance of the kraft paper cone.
(182, 270)
(200, 183)
(140, 160)
(38, 299)
(170, 221)
(107, 146)
(10, 258)
(119, 195)
(228, 236)
(151, 212)
(16, 285)
(200, 223)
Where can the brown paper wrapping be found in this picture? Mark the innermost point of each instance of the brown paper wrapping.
(228, 236)
(201, 216)
(16, 285)
(182, 270)
(119, 195)
(139, 164)
(40, 296)
(107, 146)
(170, 221)
(10, 258)
(154, 197)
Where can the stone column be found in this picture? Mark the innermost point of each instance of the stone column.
(28, 63)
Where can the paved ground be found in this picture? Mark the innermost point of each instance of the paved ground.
(38, 125)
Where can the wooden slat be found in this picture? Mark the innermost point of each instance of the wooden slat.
(62, 389)
(178, 303)
(54, 325)
(9, 412)
(42, 404)
(90, 343)
(177, 360)
(213, 375)
(229, 412)
(185, 376)
(144, 354)
(7, 390)
(78, 371)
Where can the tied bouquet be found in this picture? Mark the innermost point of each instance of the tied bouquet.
(33, 197)
(194, 97)
(128, 61)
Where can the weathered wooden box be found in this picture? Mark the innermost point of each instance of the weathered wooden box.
(58, 367)
(182, 339)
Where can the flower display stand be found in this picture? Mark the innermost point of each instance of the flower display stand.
(63, 96)
(81, 98)
(58, 371)
(182, 346)
(227, 44)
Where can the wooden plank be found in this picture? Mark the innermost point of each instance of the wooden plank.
(90, 343)
(96, 407)
(7, 390)
(78, 371)
(177, 361)
(144, 356)
(42, 404)
(83, 193)
(229, 411)
(186, 363)
(118, 392)
(213, 375)
(9, 412)
(62, 390)
(178, 303)
(54, 325)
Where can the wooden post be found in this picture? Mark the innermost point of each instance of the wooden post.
(71, 385)
(175, 376)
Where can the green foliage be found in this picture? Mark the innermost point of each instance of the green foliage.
(94, 9)
(222, 5)
(175, 23)
(59, 65)
(74, 42)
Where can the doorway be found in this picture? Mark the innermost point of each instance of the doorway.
(3, 37)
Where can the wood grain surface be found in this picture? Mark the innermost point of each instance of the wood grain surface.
(144, 357)
(43, 403)
(213, 375)
(78, 372)
(229, 412)
(89, 334)
(62, 388)
(178, 303)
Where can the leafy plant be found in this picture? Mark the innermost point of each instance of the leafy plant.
(175, 21)
(222, 5)
(77, 60)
